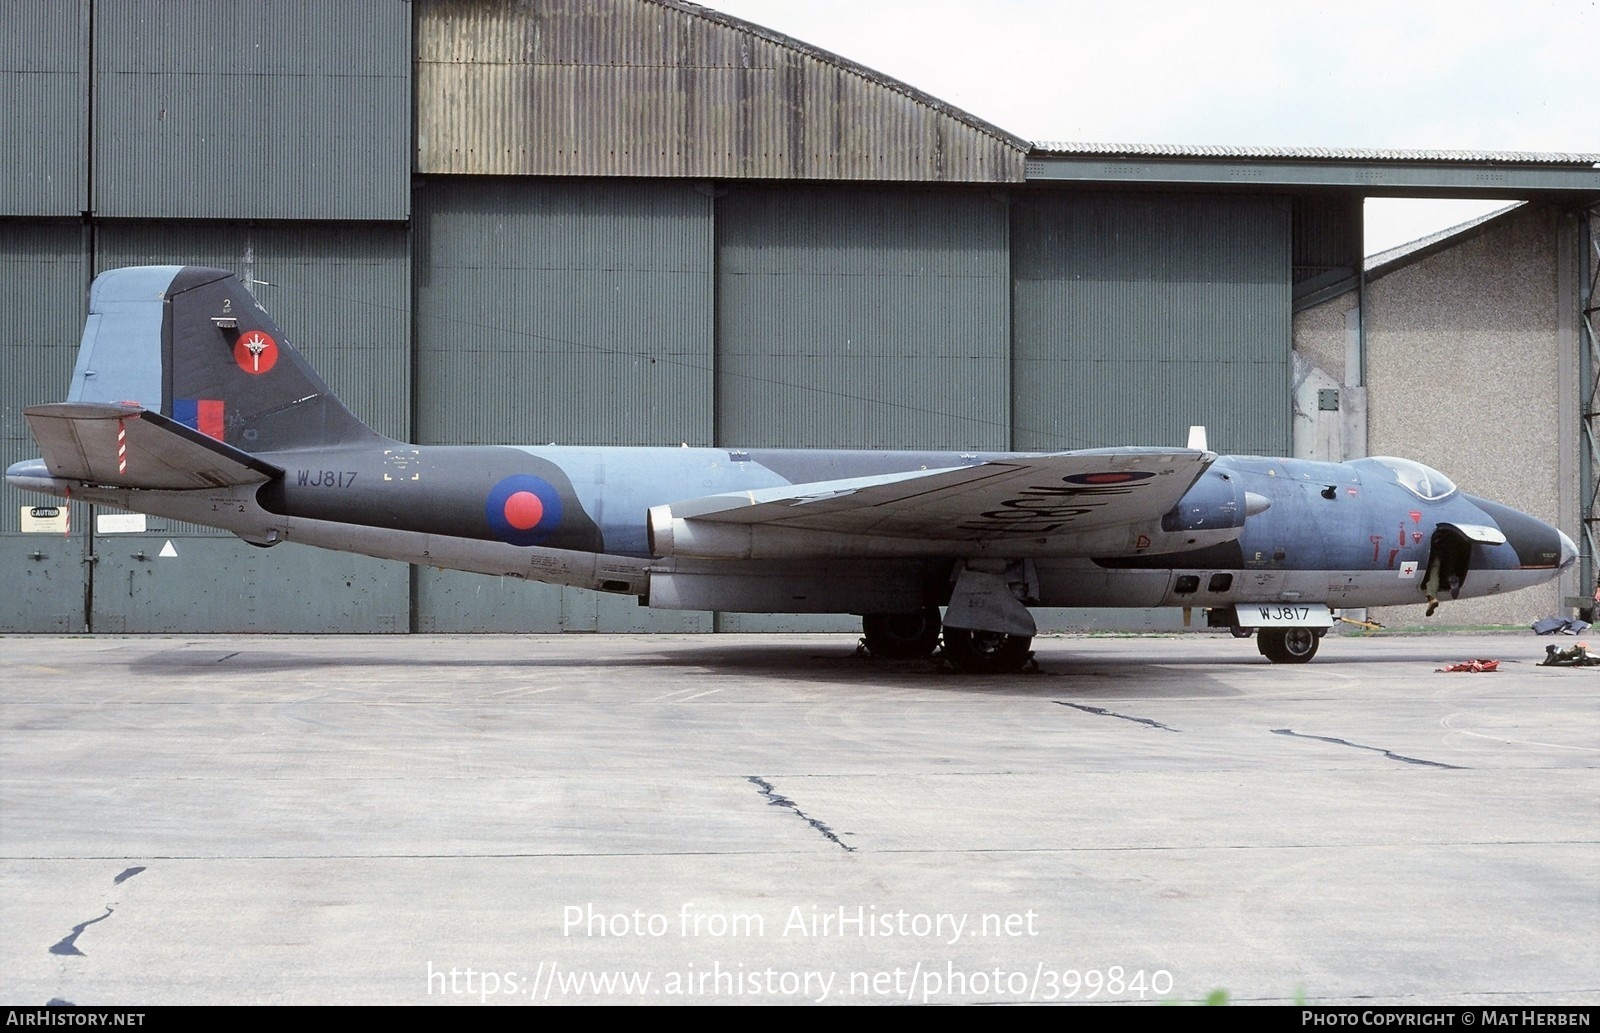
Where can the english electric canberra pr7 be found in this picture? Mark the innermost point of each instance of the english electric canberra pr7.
(188, 402)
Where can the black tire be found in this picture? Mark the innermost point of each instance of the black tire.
(986, 652)
(1237, 632)
(1288, 645)
(902, 636)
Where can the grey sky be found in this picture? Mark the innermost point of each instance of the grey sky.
(1394, 74)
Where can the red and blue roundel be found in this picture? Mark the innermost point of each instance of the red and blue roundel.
(1108, 477)
(523, 509)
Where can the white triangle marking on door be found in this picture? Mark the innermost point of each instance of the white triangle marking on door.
(167, 551)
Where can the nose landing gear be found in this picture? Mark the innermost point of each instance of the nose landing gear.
(1288, 645)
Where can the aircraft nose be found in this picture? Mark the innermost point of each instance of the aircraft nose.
(1538, 545)
(1569, 552)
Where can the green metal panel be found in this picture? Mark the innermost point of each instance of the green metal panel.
(44, 577)
(43, 275)
(275, 109)
(1138, 315)
(862, 318)
(574, 312)
(224, 585)
(44, 120)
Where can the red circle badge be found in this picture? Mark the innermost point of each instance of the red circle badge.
(256, 352)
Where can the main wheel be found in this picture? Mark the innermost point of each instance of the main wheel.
(902, 636)
(1288, 645)
(986, 652)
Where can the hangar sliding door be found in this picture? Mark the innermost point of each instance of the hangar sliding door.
(1137, 315)
(42, 280)
(860, 318)
(557, 311)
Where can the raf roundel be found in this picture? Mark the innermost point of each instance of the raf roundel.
(255, 352)
(523, 509)
(1108, 477)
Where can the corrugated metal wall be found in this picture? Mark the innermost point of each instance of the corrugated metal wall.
(562, 311)
(44, 115)
(1328, 249)
(42, 281)
(1327, 236)
(274, 109)
(862, 318)
(1137, 315)
(654, 88)
(559, 311)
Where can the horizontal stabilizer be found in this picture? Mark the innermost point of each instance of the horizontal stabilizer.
(1046, 496)
(127, 446)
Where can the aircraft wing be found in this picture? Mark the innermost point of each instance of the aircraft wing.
(1059, 496)
(80, 442)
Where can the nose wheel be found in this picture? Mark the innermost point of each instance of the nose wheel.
(1288, 645)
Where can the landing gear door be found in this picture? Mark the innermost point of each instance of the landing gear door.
(1476, 533)
(1450, 555)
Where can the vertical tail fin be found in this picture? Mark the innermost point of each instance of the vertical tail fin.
(193, 344)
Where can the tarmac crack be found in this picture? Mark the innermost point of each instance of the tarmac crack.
(1102, 712)
(775, 800)
(1376, 749)
(68, 945)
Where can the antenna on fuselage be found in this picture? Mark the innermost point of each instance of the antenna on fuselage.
(1197, 438)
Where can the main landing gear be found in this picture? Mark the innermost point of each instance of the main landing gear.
(902, 636)
(909, 636)
(986, 652)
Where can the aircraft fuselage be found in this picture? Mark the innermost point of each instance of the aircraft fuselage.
(1347, 534)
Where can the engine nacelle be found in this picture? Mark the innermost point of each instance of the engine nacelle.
(1216, 502)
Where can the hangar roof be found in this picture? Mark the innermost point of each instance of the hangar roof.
(1372, 173)
(668, 88)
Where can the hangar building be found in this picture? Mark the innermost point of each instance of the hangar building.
(645, 222)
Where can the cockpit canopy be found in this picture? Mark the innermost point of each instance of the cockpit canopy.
(1424, 482)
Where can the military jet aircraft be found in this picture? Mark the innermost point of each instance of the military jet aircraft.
(188, 402)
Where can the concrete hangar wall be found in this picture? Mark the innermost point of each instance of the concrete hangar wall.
(606, 222)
